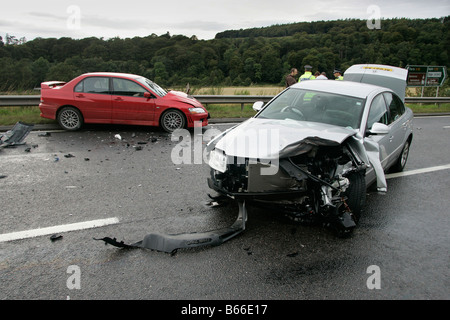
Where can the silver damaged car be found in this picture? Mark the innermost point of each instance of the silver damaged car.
(314, 149)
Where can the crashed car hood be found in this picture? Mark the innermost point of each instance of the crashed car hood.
(270, 139)
(183, 97)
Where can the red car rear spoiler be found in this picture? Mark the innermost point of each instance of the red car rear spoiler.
(52, 84)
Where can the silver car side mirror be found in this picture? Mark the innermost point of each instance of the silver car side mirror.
(379, 128)
(258, 105)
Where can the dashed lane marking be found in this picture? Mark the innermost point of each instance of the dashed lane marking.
(57, 229)
(417, 171)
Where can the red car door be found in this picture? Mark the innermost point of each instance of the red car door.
(93, 97)
(131, 103)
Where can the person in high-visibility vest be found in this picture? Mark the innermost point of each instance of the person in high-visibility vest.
(307, 75)
(338, 74)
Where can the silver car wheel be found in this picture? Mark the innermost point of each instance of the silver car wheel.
(401, 160)
(404, 155)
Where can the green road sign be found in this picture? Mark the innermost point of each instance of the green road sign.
(426, 76)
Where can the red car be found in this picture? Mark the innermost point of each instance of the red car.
(118, 98)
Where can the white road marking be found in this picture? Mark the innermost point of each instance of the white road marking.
(428, 117)
(57, 229)
(417, 171)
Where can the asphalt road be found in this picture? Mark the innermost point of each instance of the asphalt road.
(400, 250)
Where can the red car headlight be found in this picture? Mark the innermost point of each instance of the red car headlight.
(196, 110)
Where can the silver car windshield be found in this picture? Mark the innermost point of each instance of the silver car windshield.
(322, 107)
(153, 86)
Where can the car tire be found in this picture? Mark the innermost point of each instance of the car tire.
(70, 118)
(356, 194)
(400, 164)
(172, 119)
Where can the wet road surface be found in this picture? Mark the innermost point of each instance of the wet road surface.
(400, 250)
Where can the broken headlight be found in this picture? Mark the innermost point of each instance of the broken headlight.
(218, 160)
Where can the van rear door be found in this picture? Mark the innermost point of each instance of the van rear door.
(390, 77)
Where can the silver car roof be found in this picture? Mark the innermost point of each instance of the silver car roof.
(348, 88)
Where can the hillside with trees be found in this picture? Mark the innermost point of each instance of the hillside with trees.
(234, 57)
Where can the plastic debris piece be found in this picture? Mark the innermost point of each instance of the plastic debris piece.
(55, 237)
(171, 242)
(114, 242)
(16, 135)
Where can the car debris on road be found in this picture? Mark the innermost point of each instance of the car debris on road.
(170, 243)
(16, 135)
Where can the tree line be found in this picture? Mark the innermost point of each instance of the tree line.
(234, 57)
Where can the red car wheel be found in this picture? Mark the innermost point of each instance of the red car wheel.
(70, 118)
(172, 120)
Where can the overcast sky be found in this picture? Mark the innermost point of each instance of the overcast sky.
(204, 18)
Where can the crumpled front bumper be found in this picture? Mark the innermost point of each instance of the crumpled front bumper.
(249, 183)
(169, 243)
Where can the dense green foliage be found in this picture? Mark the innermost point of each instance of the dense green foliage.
(234, 57)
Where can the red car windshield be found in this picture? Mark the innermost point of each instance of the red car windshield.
(153, 86)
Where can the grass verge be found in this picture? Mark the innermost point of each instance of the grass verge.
(11, 115)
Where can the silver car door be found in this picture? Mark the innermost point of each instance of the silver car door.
(398, 125)
(379, 113)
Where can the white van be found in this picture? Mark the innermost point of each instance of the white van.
(390, 77)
